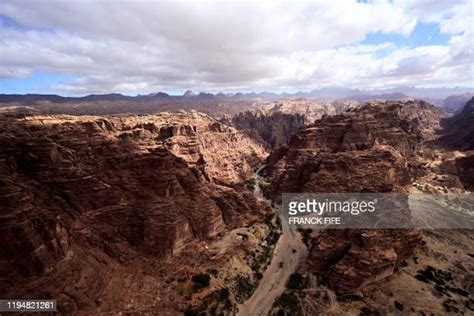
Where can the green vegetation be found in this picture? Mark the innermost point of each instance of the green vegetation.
(306, 236)
(250, 184)
(260, 261)
(272, 222)
(340, 296)
(289, 304)
(268, 219)
(244, 287)
(278, 222)
(263, 184)
(297, 282)
(201, 280)
(272, 238)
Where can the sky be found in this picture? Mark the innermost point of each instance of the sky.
(79, 47)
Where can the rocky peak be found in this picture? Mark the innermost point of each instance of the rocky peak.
(189, 93)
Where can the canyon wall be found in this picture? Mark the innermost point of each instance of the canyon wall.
(271, 130)
(458, 136)
(95, 211)
(374, 148)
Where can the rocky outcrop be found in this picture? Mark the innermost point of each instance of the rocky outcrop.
(459, 129)
(272, 131)
(455, 103)
(311, 109)
(370, 149)
(222, 154)
(343, 105)
(352, 259)
(465, 170)
(459, 136)
(95, 212)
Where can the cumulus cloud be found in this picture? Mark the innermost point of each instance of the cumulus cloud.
(147, 46)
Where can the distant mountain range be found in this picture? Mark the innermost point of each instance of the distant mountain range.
(322, 93)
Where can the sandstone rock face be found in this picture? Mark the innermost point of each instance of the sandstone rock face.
(369, 149)
(459, 136)
(455, 103)
(312, 110)
(465, 168)
(273, 131)
(220, 152)
(94, 210)
(460, 128)
(352, 259)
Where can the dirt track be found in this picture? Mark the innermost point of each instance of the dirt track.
(289, 249)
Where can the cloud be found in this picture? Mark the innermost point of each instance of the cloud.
(430, 10)
(147, 46)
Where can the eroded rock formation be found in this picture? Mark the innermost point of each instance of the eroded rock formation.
(96, 212)
(271, 130)
(459, 129)
(370, 149)
(455, 103)
(459, 137)
(311, 109)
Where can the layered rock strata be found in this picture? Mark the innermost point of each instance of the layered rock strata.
(96, 212)
(271, 130)
(370, 149)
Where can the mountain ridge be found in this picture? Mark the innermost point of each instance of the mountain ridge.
(332, 92)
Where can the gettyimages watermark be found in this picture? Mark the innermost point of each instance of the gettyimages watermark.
(379, 210)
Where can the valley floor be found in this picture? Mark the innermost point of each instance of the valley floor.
(287, 253)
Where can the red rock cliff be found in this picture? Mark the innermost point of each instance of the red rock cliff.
(94, 210)
(370, 149)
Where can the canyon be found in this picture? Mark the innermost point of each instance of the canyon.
(134, 212)
(385, 146)
(271, 130)
(100, 213)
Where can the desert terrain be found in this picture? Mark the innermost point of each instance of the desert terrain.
(179, 211)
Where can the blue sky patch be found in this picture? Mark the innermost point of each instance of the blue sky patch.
(39, 82)
(424, 34)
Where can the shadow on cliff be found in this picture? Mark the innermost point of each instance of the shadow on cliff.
(87, 207)
(457, 136)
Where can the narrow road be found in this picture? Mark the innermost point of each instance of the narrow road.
(289, 249)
